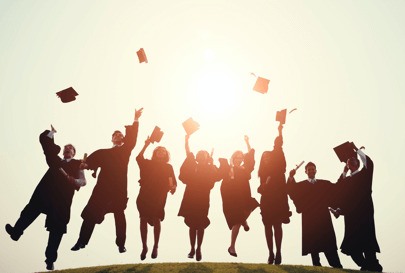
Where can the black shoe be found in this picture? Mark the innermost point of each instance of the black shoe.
(78, 246)
(143, 253)
(232, 253)
(191, 254)
(277, 260)
(122, 249)
(198, 255)
(49, 265)
(154, 253)
(10, 230)
(270, 260)
(373, 266)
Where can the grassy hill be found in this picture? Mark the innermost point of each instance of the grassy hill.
(202, 268)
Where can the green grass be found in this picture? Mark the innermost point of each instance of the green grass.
(203, 268)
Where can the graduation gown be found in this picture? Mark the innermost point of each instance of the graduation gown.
(312, 201)
(154, 186)
(199, 181)
(110, 192)
(274, 200)
(356, 203)
(237, 200)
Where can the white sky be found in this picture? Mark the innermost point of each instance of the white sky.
(338, 62)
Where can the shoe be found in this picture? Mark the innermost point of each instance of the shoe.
(232, 253)
(143, 253)
(198, 255)
(191, 254)
(122, 249)
(277, 260)
(10, 230)
(49, 266)
(270, 260)
(246, 226)
(373, 266)
(78, 246)
(154, 253)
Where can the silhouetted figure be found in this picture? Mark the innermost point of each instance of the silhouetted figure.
(312, 198)
(199, 174)
(274, 200)
(110, 193)
(156, 180)
(53, 196)
(356, 205)
(237, 200)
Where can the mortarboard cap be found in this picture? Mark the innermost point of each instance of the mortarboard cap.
(281, 115)
(142, 56)
(156, 135)
(67, 95)
(190, 126)
(345, 151)
(261, 85)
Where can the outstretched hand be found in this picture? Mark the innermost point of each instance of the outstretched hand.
(138, 113)
(246, 139)
(53, 129)
(292, 173)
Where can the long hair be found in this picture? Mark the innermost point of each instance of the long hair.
(166, 159)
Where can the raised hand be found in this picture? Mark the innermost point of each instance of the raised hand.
(138, 113)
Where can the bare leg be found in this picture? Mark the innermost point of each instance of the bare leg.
(268, 229)
(278, 236)
(234, 236)
(200, 237)
(156, 234)
(144, 237)
(192, 232)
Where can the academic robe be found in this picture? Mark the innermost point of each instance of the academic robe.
(274, 200)
(154, 185)
(199, 181)
(313, 202)
(110, 193)
(54, 193)
(356, 204)
(237, 200)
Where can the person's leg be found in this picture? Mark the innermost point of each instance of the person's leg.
(268, 231)
(333, 259)
(86, 231)
(156, 235)
(278, 237)
(144, 237)
(315, 259)
(51, 252)
(192, 233)
(371, 263)
(358, 258)
(120, 230)
(234, 236)
(27, 216)
(200, 237)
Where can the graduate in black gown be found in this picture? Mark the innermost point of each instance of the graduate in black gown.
(274, 206)
(312, 198)
(110, 193)
(237, 200)
(199, 174)
(157, 178)
(53, 195)
(355, 203)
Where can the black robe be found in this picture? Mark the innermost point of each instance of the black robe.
(199, 181)
(54, 193)
(237, 200)
(313, 202)
(274, 200)
(356, 204)
(110, 193)
(154, 186)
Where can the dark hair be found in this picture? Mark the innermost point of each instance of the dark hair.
(74, 149)
(310, 164)
(166, 159)
(116, 132)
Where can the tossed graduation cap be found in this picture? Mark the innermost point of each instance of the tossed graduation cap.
(281, 116)
(67, 95)
(156, 135)
(261, 85)
(345, 151)
(190, 126)
(142, 56)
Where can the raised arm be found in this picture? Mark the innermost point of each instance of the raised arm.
(247, 143)
(147, 142)
(186, 145)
